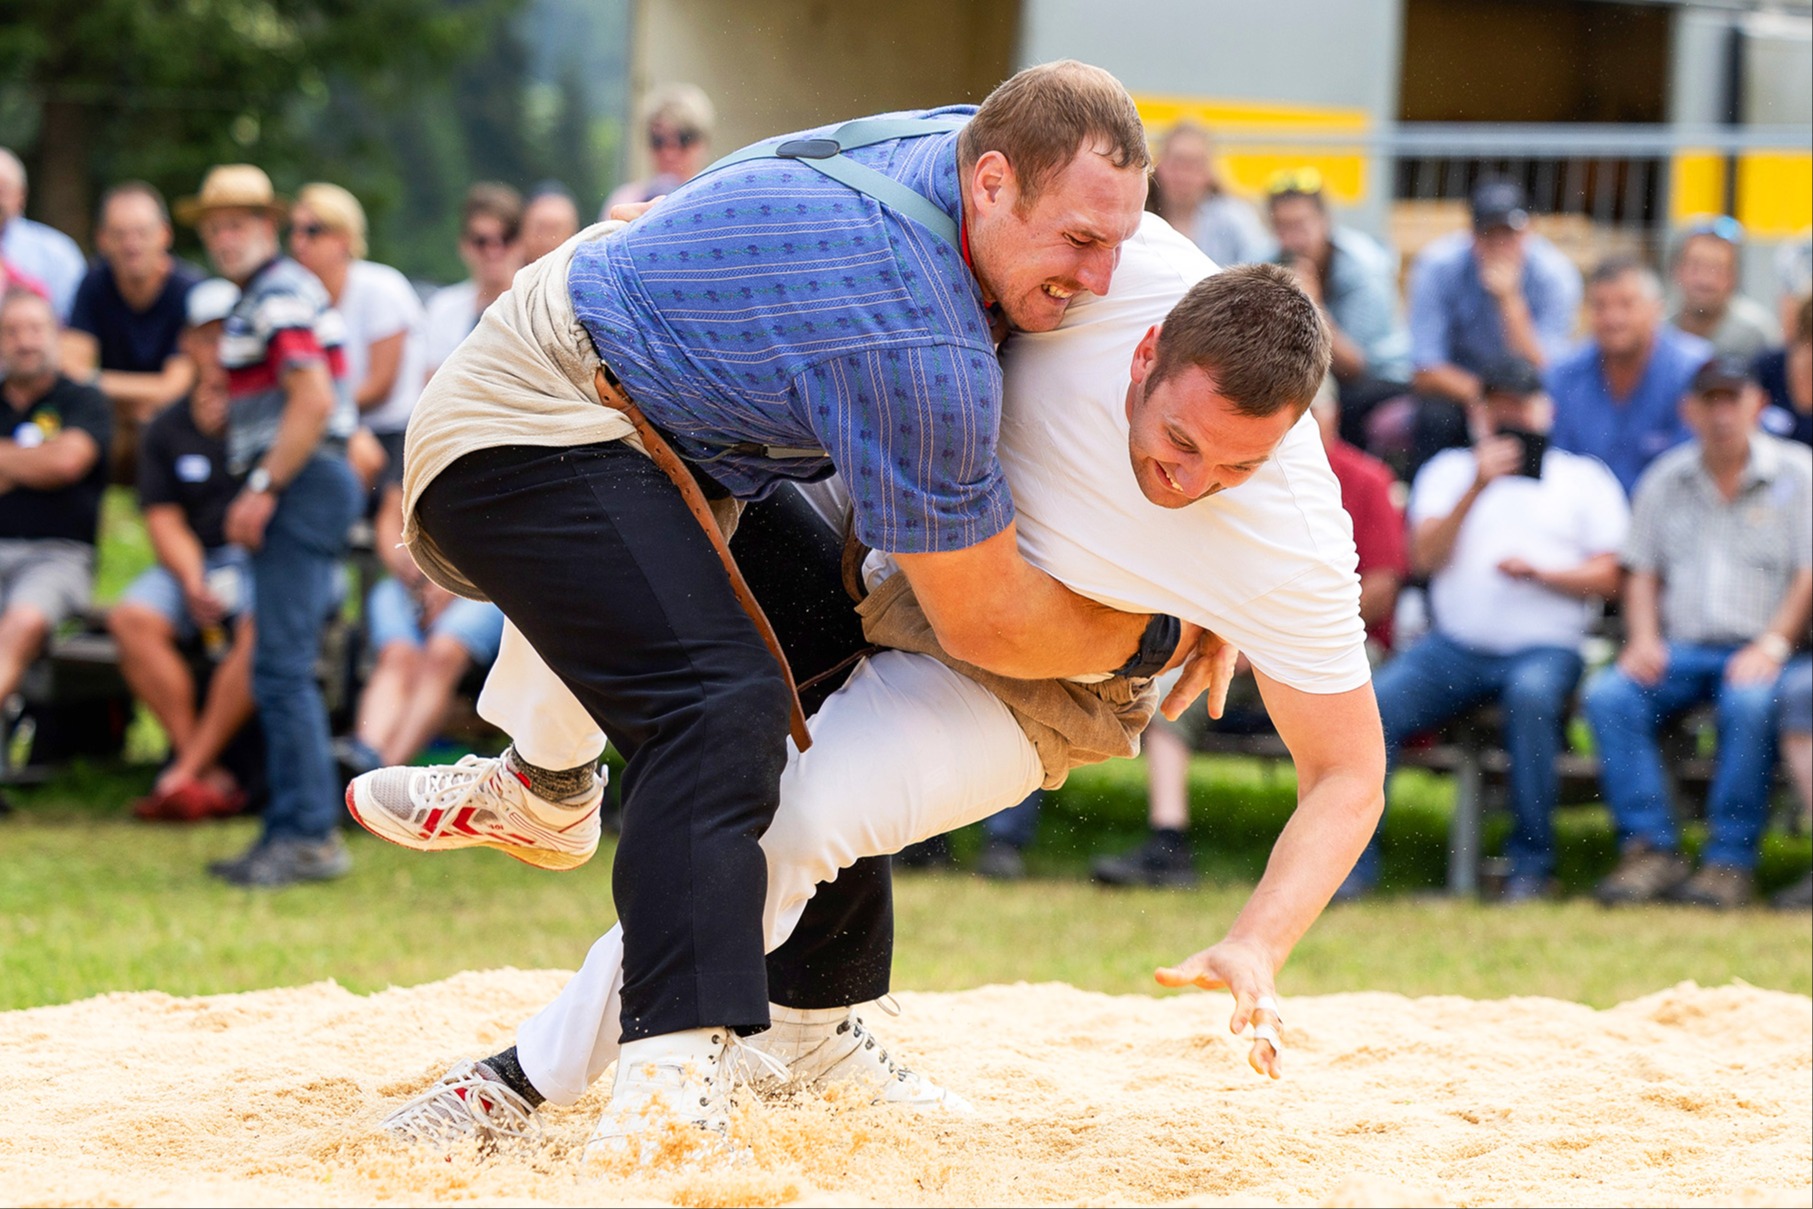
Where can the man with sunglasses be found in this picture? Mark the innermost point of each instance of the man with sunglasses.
(768, 321)
(1353, 280)
(1707, 266)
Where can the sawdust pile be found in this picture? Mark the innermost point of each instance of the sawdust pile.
(1690, 1096)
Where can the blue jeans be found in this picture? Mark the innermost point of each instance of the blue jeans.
(1437, 678)
(1625, 716)
(293, 584)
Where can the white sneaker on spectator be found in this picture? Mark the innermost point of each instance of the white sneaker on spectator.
(824, 1046)
(468, 1101)
(671, 1097)
(476, 803)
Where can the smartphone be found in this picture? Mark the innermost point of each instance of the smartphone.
(1535, 444)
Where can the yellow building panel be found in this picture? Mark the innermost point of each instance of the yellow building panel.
(1246, 166)
(1697, 185)
(1775, 193)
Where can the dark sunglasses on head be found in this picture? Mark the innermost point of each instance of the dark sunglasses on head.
(661, 142)
(310, 230)
(485, 243)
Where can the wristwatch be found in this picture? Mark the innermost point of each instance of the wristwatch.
(259, 481)
(1774, 645)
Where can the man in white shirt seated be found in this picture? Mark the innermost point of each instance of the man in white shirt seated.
(915, 743)
(1516, 538)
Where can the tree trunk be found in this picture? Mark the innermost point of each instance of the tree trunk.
(60, 190)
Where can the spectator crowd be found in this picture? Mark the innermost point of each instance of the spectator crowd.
(1535, 461)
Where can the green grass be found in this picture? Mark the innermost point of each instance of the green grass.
(92, 902)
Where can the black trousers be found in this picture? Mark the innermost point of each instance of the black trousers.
(594, 557)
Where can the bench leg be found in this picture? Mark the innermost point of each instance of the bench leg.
(1464, 831)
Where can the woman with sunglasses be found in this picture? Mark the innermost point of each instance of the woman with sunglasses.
(678, 119)
(383, 316)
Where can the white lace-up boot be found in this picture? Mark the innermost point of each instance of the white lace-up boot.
(671, 1097)
(824, 1046)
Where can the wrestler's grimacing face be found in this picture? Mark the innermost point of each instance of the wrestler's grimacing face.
(1034, 258)
(1186, 440)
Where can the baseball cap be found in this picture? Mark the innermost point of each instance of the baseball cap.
(1499, 202)
(1724, 373)
(210, 300)
(1511, 375)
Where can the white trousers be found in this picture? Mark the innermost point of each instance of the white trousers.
(905, 750)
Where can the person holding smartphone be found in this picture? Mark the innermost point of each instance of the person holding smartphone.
(1516, 538)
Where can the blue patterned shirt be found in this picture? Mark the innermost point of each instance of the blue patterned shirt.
(767, 303)
(1453, 319)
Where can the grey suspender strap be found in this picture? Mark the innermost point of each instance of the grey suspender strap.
(826, 156)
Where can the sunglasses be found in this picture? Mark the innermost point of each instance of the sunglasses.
(310, 230)
(487, 243)
(1306, 181)
(680, 141)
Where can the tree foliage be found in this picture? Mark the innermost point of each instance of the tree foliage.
(403, 101)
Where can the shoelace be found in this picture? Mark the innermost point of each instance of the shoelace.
(463, 1102)
(446, 789)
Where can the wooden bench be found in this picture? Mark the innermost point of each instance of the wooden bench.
(1468, 750)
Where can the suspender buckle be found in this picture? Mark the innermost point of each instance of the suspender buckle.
(809, 149)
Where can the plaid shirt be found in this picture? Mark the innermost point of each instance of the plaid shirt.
(766, 303)
(1725, 565)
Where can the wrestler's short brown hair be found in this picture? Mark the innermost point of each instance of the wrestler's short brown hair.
(1041, 117)
(1255, 332)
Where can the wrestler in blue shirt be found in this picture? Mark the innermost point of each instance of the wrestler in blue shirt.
(821, 321)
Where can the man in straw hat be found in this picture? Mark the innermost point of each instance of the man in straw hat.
(288, 420)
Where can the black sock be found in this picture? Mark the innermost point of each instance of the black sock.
(509, 1072)
(554, 784)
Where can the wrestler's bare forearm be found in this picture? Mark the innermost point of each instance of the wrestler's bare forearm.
(992, 608)
(1339, 749)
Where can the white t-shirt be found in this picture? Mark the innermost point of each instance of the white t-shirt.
(1573, 512)
(452, 314)
(377, 303)
(1268, 565)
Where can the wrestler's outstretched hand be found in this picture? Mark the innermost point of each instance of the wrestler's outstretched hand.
(1246, 970)
(1208, 664)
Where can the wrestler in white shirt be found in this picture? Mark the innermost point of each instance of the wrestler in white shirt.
(909, 748)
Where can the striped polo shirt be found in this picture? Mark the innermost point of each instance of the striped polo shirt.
(283, 319)
(766, 303)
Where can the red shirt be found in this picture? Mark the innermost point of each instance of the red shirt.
(1378, 525)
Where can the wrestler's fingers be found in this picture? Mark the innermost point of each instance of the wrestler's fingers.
(1266, 1055)
(1199, 673)
(1221, 677)
(1191, 972)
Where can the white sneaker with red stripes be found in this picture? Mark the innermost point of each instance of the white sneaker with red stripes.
(476, 803)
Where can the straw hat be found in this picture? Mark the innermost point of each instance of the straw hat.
(233, 187)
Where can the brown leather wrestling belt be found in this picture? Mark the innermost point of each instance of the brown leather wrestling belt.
(663, 455)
